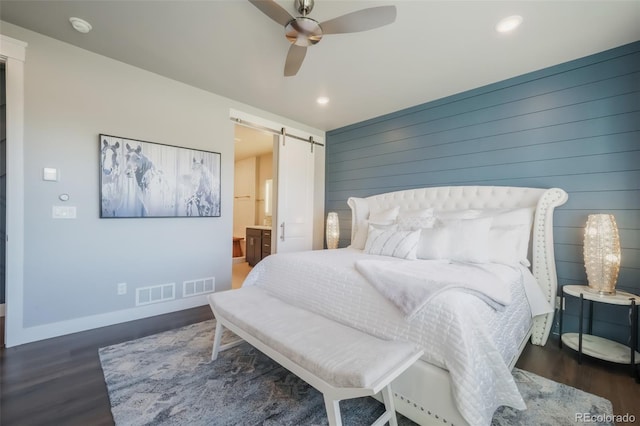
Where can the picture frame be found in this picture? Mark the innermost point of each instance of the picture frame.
(140, 179)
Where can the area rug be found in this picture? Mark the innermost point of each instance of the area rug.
(169, 379)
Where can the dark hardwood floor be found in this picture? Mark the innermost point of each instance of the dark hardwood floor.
(59, 381)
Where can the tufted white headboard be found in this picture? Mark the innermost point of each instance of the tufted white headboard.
(446, 198)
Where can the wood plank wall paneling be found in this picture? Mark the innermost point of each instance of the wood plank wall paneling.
(575, 126)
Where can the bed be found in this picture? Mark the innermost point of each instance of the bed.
(465, 372)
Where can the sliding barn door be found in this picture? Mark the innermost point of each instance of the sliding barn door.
(294, 227)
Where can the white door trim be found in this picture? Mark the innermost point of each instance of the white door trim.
(14, 52)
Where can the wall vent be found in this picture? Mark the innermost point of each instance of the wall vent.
(155, 293)
(198, 286)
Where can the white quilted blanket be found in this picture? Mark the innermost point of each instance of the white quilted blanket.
(410, 284)
(457, 330)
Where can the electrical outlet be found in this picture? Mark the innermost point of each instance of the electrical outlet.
(557, 302)
(122, 289)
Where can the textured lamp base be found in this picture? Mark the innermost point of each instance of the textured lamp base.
(602, 253)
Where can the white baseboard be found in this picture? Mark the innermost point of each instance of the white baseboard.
(2, 310)
(239, 260)
(46, 331)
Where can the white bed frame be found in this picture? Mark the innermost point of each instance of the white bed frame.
(423, 392)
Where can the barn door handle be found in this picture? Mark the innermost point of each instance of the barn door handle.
(282, 233)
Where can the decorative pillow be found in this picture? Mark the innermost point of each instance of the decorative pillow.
(363, 232)
(389, 242)
(415, 219)
(380, 218)
(461, 240)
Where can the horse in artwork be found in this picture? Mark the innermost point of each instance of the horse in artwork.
(204, 200)
(149, 192)
(111, 179)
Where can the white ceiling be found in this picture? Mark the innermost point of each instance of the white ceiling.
(434, 49)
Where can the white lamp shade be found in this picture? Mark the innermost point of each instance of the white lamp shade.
(333, 230)
(602, 253)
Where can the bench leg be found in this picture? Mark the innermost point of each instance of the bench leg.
(333, 411)
(387, 397)
(216, 340)
(389, 414)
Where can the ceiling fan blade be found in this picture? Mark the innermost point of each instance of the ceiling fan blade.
(294, 60)
(273, 10)
(362, 20)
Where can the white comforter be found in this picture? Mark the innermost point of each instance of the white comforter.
(458, 331)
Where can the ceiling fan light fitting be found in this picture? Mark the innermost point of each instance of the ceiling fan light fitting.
(303, 31)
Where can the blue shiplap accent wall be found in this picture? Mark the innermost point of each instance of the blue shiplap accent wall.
(575, 126)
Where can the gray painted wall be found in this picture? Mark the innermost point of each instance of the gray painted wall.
(72, 267)
(3, 182)
(575, 126)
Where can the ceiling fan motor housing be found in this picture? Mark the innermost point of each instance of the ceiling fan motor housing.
(304, 7)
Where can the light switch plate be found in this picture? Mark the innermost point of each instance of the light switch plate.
(50, 174)
(63, 212)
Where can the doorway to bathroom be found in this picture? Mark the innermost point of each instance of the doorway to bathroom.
(253, 190)
(278, 189)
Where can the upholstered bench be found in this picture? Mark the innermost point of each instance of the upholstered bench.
(337, 360)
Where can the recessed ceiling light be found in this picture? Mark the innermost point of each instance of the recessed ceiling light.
(509, 23)
(322, 100)
(80, 25)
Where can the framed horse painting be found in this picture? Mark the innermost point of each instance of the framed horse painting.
(146, 179)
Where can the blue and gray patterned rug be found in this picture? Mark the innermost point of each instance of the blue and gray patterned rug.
(168, 379)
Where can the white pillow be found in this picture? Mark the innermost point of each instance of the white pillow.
(415, 219)
(390, 242)
(360, 213)
(508, 244)
(448, 215)
(509, 233)
(509, 236)
(384, 215)
(512, 217)
(461, 240)
(380, 218)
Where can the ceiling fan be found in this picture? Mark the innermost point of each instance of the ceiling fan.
(304, 31)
